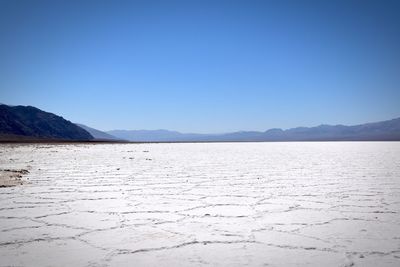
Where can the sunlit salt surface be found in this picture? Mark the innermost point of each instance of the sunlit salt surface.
(216, 204)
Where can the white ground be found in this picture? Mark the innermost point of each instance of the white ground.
(221, 204)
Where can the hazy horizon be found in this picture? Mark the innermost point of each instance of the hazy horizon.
(240, 130)
(203, 66)
(216, 133)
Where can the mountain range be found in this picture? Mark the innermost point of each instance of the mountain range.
(30, 123)
(378, 131)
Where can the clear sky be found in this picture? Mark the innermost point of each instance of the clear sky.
(203, 66)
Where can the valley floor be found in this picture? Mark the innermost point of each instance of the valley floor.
(204, 204)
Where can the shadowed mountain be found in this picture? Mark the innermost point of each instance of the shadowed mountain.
(30, 123)
(99, 135)
(378, 131)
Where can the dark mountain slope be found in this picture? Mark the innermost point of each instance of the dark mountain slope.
(27, 121)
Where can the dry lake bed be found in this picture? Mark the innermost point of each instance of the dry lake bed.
(205, 204)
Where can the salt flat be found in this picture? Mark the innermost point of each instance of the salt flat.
(216, 204)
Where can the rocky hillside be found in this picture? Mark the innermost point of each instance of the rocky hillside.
(27, 122)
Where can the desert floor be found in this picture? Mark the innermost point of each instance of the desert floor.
(216, 204)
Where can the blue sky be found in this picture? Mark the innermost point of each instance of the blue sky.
(203, 66)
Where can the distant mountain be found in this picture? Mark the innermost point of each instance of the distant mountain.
(154, 135)
(385, 131)
(99, 135)
(26, 123)
(378, 131)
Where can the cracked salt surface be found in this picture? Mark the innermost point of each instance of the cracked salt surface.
(217, 204)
